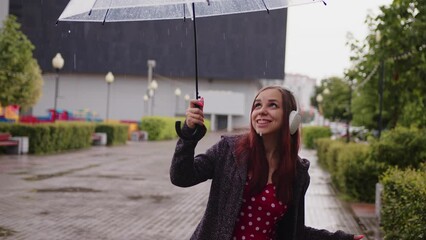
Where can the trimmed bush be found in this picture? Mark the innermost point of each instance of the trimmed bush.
(400, 147)
(356, 176)
(322, 146)
(159, 128)
(311, 133)
(403, 214)
(116, 133)
(332, 155)
(53, 137)
(162, 128)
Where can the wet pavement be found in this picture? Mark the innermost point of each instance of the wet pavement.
(124, 192)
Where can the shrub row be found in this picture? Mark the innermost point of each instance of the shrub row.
(352, 171)
(311, 133)
(355, 169)
(53, 137)
(162, 128)
(403, 214)
(117, 134)
(62, 136)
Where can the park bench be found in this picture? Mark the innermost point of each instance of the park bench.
(99, 139)
(138, 136)
(10, 144)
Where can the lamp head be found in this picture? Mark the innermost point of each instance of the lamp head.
(58, 62)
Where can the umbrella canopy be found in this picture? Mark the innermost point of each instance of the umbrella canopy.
(146, 10)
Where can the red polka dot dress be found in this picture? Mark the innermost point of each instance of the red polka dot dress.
(259, 215)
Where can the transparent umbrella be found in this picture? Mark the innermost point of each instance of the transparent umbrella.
(148, 10)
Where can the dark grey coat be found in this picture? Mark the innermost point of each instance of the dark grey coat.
(228, 179)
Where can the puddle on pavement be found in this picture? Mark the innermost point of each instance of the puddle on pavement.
(113, 177)
(101, 155)
(154, 198)
(58, 174)
(6, 232)
(19, 173)
(66, 189)
(121, 177)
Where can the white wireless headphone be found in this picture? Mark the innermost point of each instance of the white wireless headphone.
(294, 118)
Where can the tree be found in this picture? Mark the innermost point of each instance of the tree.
(396, 42)
(335, 98)
(20, 75)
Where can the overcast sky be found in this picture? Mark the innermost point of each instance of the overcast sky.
(316, 35)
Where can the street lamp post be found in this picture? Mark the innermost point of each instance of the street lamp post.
(145, 100)
(381, 83)
(109, 78)
(187, 98)
(348, 135)
(57, 63)
(151, 93)
(178, 92)
(319, 99)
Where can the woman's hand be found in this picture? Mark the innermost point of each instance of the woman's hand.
(358, 237)
(194, 113)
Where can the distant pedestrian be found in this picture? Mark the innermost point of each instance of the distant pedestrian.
(258, 180)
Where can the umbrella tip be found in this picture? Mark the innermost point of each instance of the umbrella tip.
(57, 21)
(325, 4)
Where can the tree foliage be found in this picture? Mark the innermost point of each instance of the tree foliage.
(397, 39)
(335, 93)
(20, 75)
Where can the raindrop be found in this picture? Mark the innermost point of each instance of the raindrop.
(69, 31)
(168, 32)
(224, 36)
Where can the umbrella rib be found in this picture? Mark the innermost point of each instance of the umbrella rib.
(264, 4)
(184, 12)
(106, 14)
(90, 12)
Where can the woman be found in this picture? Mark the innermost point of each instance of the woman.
(258, 180)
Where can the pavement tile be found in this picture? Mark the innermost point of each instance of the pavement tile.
(124, 192)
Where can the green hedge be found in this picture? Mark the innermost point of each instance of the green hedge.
(400, 147)
(403, 214)
(352, 171)
(117, 133)
(162, 128)
(311, 133)
(53, 137)
(356, 175)
(322, 146)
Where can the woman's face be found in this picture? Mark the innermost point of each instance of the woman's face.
(267, 114)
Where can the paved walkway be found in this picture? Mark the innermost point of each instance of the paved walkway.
(124, 193)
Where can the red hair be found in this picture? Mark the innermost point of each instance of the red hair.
(251, 145)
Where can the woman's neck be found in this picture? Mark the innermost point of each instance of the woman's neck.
(271, 150)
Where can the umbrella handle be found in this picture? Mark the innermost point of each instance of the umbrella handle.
(196, 135)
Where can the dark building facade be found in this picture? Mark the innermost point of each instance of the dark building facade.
(242, 46)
